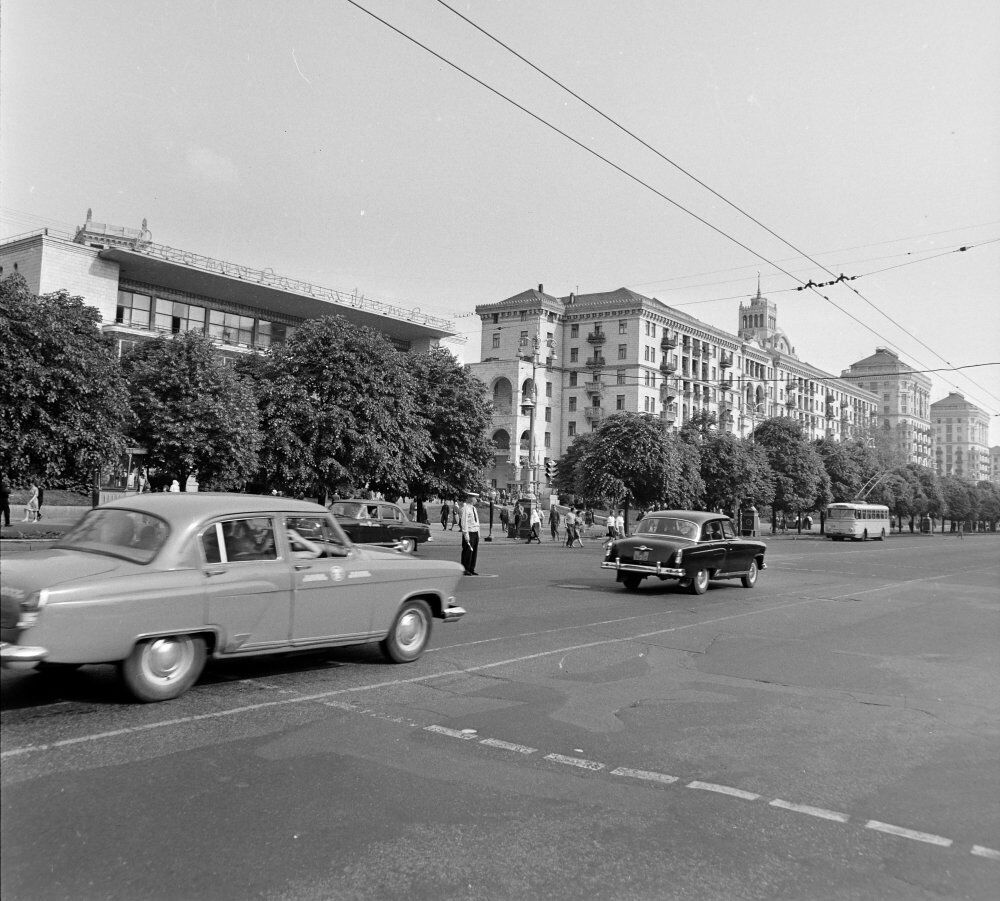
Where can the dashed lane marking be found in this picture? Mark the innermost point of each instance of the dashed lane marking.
(928, 837)
(990, 853)
(644, 774)
(811, 811)
(451, 733)
(724, 790)
(507, 746)
(575, 761)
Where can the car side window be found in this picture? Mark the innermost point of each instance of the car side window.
(210, 544)
(313, 536)
(249, 539)
(390, 513)
(727, 529)
(373, 511)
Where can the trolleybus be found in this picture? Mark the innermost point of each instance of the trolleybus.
(857, 521)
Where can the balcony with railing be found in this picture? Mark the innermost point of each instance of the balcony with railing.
(668, 366)
(726, 385)
(596, 361)
(593, 414)
(667, 392)
(597, 338)
(725, 360)
(595, 386)
(669, 412)
(668, 341)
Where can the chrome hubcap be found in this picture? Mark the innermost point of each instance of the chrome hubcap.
(166, 658)
(410, 629)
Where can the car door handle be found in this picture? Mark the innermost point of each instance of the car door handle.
(299, 566)
(215, 572)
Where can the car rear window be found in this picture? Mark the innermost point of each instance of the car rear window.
(128, 534)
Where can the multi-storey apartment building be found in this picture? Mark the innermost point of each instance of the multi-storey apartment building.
(904, 402)
(144, 289)
(995, 464)
(961, 438)
(556, 367)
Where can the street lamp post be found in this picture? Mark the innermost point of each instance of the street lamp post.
(531, 350)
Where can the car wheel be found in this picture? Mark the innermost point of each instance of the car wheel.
(407, 545)
(631, 581)
(163, 668)
(699, 582)
(750, 579)
(410, 632)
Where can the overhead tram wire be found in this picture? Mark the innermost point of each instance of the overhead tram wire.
(707, 187)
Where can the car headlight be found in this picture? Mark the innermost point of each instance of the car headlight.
(31, 607)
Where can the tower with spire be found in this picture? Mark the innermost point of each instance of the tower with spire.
(758, 323)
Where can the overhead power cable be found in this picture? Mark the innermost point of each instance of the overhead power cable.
(708, 188)
(638, 180)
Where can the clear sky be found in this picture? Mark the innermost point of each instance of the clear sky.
(307, 137)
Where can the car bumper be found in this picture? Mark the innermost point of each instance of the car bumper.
(647, 569)
(15, 653)
(453, 614)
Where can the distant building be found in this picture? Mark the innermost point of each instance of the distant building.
(556, 367)
(144, 289)
(904, 402)
(961, 438)
(995, 464)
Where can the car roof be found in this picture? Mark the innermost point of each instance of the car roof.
(203, 504)
(361, 500)
(696, 516)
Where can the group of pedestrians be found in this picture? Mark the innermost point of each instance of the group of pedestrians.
(32, 506)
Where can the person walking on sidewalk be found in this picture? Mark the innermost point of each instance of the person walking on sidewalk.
(468, 522)
(535, 522)
(554, 523)
(445, 513)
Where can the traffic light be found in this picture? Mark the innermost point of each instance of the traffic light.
(550, 469)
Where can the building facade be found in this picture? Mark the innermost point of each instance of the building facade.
(961, 438)
(557, 367)
(904, 412)
(144, 289)
(995, 464)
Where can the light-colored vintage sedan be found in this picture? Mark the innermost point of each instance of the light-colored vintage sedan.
(158, 582)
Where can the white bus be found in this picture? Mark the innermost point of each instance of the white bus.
(857, 521)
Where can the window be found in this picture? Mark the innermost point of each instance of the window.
(574, 331)
(243, 540)
(230, 327)
(572, 379)
(548, 389)
(571, 429)
(622, 327)
(133, 309)
(622, 351)
(548, 414)
(312, 536)
(572, 405)
(496, 340)
(574, 354)
(263, 334)
(620, 377)
(620, 402)
(180, 317)
(548, 439)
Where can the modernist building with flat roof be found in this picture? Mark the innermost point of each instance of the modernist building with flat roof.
(904, 402)
(557, 366)
(144, 289)
(961, 438)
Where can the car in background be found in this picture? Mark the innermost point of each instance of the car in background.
(379, 522)
(689, 546)
(157, 583)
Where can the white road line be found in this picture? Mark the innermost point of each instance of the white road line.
(451, 733)
(989, 853)
(909, 833)
(575, 761)
(644, 774)
(723, 790)
(393, 683)
(507, 746)
(811, 811)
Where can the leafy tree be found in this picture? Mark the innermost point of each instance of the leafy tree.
(734, 471)
(359, 417)
(195, 415)
(842, 467)
(568, 476)
(65, 410)
(456, 413)
(633, 459)
(958, 501)
(989, 503)
(796, 465)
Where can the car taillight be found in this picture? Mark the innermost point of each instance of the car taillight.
(30, 607)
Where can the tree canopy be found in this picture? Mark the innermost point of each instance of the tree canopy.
(796, 465)
(66, 406)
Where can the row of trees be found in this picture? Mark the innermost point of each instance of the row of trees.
(634, 460)
(335, 410)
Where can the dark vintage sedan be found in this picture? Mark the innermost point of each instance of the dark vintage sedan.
(686, 545)
(158, 582)
(379, 522)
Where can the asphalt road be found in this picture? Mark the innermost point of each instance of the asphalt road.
(832, 733)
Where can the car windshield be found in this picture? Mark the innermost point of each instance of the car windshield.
(668, 527)
(128, 534)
